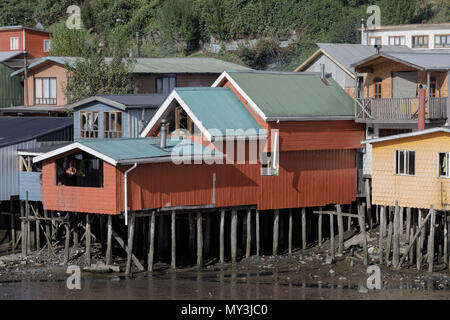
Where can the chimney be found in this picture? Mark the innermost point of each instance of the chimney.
(322, 71)
(377, 47)
(362, 31)
(163, 134)
(421, 121)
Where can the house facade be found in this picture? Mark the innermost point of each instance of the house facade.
(35, 42)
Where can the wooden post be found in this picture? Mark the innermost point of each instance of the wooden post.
(369, 202)
(234, 223)
(420, 238)
(304, 228)
(88, 240)
(400, 222)
(47, 225)
(408, 223)
(13, 226)
(341, 229)
(67, 243)
(362, 225)
(222, 236)
(382, 225)
(130, 242)
(207, 233)
(332, 237)
(431, 240)
(191, 233)
(257, 233)
(377, 213)
(320, 236)
(396, 246)
(275, 231)
(108, 241)
(199, 240)
(445, 239)
(23, 229)
(389, 240)
(76, 240)
(173, 241)
(38, 232)
(151, 251)
(249, 233)
(28, 233)
(290, 232)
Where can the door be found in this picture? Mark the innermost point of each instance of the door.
(404, 84)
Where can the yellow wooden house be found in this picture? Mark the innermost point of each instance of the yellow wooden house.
(412, 168)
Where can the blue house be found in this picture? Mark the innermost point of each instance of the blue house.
(114, 116)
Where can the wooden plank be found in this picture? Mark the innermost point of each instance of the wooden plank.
(408, 223)
(362, 225)
(380, 241)
(431, 240)
(303, 228)
(173, 241)
(234, 222)
(199, 240)
(445, 239)
(290, 232)
(320, 228)
(276, 217)
(249, 233)
(122, 244)
(222, 236)
(129, 249)
(257, 233)
(332, 237)
(109, 241)
(67, 243)
(396, 244)
(151, 252)
(47, 225)
(420, 239)
(389, 239)
(344, 214)
(88, 240)
(340, 229)
(400, 222)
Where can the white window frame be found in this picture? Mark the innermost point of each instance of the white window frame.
(14, 43)
(49, 45)
(406, 162)
(41, 98)
(400, 40)
(438, 44)
(439, 165)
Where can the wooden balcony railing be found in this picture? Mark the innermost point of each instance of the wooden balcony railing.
(367, 109)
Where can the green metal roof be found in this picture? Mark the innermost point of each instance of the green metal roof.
(218, 108)
(142, 148)
(294, 94)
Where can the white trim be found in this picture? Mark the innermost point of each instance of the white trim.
(242, 92)
(26, 153)
(71, 147)
(407, 135)
(158, 114)
(169, 159)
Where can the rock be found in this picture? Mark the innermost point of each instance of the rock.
(328, 259)
(332, 272)
(371, 250)
(342, 278)
(363, 289)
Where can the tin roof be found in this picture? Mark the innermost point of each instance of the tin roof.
(20, 27)
(14, 130)
(6, 55)
(292, 95)
(139, 150)
(444, 129)
(124, 101)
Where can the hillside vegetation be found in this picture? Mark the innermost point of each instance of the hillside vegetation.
(179, 27)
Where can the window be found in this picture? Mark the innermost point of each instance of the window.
(374, 40)
(165, 84)
(420, 41)
(442, 41)
(47, 45)
(267, 166)
(88, 124)
(433, 86)
(45, 91)
(112, 125)
(397, 40)
(14, 43)
(405, 162)
(377, 88)
(79, 170)
(443, 164)
(183, 121)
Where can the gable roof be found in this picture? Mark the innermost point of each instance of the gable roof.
(422, 60)
(14, 130)
(210, 109)
(20, 27)
(134, 150)
(408, 135)
(6, 55)
(123, 101)
(291, 96)
(156, 65)
(344, 54)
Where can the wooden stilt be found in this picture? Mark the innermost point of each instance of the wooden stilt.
(108, 241)
(131, 226)
(234, 222)
(222, 236)
(303, 228)
(207, 234)
(28, 234)
(389, 240)
(377, 214)
(102, 231)
(76, 239)
(276, 218)
(38, 234)
(290, 232)
(13, 226)
(320, 236)
(88, 240)
(249, 233)
(420, 238)
(396, 244)
(408, 223)
(340, 229)
(400, 222)
(173, 241)
(349, 219)
(369, 203)
(151, 251)
(199, 239)
(431, 240)
(445, 239)
(362, 225)
(332, 237)
(23, 229)
(257, 233)
(47, 225)
(382, 224)
(411, 243)
(67, 244)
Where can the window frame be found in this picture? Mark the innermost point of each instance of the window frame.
(405, 164)
(49, 41)
(375, 84)
(42, 101)
(112, 134)
(439, 165)
(162, 77)
(397, 37)
(93, 134)
(447, 42)
(420, 35)
(376, 38)
(11, 39)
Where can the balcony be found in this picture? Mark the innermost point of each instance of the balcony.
(398, 109)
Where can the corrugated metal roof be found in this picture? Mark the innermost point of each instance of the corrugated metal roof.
(294, 94)
(14, 130)
(218, 108)
(132, 100)
(20, 27)
(346, 53)
(408, 135)
(6, 55)
(42, 150)
(34, 109)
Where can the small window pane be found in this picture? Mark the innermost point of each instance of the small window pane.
(412, 162)
(401, 162)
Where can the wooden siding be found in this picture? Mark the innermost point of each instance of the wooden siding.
(34, 41)
(11, 89)
(418, 191)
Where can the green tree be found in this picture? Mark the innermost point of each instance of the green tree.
(67, 42)
(94, 73)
